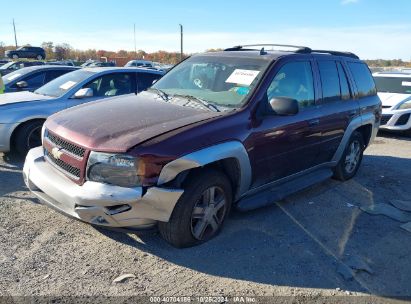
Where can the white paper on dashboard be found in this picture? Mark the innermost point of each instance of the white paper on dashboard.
(244, 77)
(67, 85)
(406, 83)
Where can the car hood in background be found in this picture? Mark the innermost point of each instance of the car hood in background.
(18, 97)
(120, 123)
(392, 99)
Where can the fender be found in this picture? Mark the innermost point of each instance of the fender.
(200, 158)
(362, 120)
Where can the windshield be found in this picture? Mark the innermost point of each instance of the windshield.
(11, 76)
(62, 84)
(400, 85)
(225, 82)
(7, 65)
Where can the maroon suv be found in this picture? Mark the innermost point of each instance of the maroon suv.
(241, 128)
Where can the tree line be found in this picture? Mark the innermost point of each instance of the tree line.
(65, 51)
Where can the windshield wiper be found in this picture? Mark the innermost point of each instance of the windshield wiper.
(164, 96)
(203, 102)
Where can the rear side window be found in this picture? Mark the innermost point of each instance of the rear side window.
(35, 80)
(330, 81)
(145, 80)
(345, 88)
(363, 79)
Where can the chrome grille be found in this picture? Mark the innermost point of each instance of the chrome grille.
(67, 168)
(69, 147)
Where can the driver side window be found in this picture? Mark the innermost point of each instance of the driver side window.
(294, 80)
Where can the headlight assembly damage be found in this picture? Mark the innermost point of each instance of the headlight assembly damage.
(116, 169)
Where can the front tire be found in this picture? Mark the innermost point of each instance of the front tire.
(351, 159)
(201, 210)
(28, 136)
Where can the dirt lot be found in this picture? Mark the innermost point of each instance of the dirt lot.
(293, 248)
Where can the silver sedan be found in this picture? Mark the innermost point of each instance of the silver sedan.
(22, 114)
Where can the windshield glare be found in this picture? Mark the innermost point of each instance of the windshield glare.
(62, 84)
(400, 85)
(7, 65)
(222, 81)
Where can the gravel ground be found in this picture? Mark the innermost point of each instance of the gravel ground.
(293, 248)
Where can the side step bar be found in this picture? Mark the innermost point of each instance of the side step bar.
(280, 191)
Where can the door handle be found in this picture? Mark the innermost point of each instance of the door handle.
(313, 122)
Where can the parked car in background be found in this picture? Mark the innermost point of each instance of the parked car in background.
(394, 90)
(99, 64)
(139, 63)
(62, 62)
(32, 78)
(27, 52)
(244, 127)
(4, 61)
(16, 65)
(22, 113)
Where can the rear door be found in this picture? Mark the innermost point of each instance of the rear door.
(338, 106)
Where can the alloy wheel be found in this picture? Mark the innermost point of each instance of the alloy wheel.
(208, 213)
(353, 156)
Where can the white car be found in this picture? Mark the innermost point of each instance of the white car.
(394, 90)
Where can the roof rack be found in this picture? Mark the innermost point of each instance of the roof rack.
(336, 53)
(248, 47)
(299, 49)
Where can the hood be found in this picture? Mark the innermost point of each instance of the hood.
(17, 97)
(392, 99)
(120, 123)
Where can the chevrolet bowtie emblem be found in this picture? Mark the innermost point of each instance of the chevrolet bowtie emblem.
(56, 152)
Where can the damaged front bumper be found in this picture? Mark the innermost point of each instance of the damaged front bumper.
(97, 203)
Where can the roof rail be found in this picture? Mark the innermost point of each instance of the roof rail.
(248, 47)
(299, 49)
(336, 53)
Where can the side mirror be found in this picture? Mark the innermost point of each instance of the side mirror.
(284, 106)
(83, 93)
(22, 84)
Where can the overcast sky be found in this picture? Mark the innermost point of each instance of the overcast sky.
(370, 28)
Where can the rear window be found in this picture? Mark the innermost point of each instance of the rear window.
(363, 79)
(330, 81)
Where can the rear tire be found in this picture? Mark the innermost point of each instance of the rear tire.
(201, 210)
(39, 57)
(351, 159)
(28, 136)
(15, 56)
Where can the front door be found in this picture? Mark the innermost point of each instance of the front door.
(280, 146)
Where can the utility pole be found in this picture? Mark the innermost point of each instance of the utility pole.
(181, 42)
(135, 46)
(15, 36)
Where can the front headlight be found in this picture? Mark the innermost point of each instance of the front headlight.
(405, 105)
(116, 169)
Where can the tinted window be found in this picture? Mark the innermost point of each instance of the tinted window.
(345, 88)
(112, 84)
(393, 84)
(35, 80)
(145, 80)
(294, 80)
(330, 80)
(363, 79)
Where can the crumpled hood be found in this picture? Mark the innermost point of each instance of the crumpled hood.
(118, 124)
(17, 97)
(392, 99)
